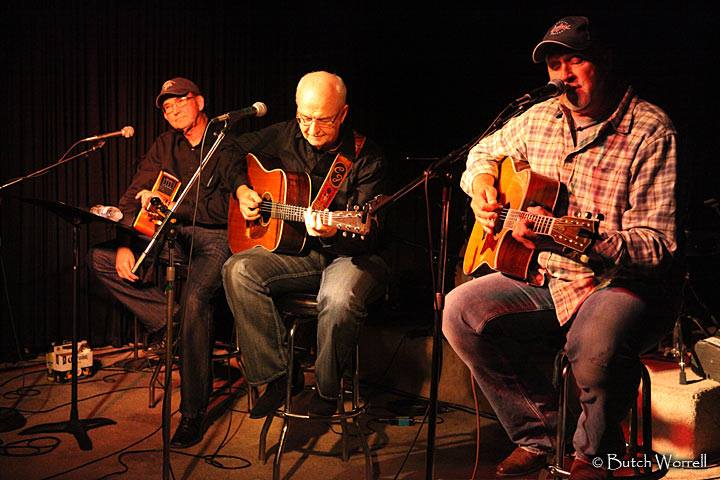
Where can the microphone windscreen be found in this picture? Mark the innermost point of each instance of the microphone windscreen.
(128, 131)
(559, 85)
(261, 109)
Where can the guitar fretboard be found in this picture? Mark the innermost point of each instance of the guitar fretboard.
(541, 224)
(295, 213)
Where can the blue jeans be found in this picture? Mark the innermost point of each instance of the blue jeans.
(199, 292)
(344, 286)
(497, 325)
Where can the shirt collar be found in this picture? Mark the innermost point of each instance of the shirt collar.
(621, 119)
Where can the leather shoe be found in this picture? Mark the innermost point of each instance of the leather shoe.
(320, 407)
(521, 462)
(188, 433)
(274, 395)
(582, 470)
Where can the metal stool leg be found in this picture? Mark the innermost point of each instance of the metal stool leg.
(262, 454)
(135, 337)
(562, 374)
(343, 425)
(252, 391)
(561, 380)
(645, 447)
(356, 420)
(288, 398)
(297, 310)
(281, 447)
(154, 378)
(646, 410)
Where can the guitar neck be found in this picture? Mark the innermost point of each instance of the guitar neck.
(541, 224)
(294, 213)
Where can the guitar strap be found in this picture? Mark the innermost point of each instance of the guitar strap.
(336, 176)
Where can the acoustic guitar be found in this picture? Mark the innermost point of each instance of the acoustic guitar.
(281, 226)
(517, 190)
(166, 186)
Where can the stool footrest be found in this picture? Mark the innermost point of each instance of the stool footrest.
(557, 473)
(355, 412)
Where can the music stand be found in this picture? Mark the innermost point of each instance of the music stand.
(75, 426)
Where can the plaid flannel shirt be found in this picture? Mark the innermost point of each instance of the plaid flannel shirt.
(624, 168)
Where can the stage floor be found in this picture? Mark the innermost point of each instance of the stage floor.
(132, 447)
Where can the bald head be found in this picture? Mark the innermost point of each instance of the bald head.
(321, 86)
(320, 99)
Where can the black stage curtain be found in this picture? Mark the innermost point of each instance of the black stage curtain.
(423, 80)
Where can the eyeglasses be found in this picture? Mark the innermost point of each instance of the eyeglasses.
(178, 103)
(326, 122)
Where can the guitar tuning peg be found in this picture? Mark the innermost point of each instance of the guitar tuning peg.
(344, 234)
(578, 214)
(588, 215)
(356, 208)
(599, 217)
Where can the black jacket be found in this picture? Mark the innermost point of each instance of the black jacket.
(173, 153)
(282, 146)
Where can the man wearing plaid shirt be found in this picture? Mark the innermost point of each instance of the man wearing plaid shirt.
(613, 154)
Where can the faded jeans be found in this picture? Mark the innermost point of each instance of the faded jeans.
(497, 324)
(198, 294)
(344, 287)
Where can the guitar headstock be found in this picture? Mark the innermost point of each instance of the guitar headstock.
(354, 222)
(576, 233)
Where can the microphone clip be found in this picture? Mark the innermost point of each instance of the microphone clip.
(552, 89)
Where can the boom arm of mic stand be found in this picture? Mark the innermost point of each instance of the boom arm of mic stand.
(159, 231)
(62, 161)
(511, 110)
(429, 173)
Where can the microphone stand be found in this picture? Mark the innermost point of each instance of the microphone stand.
(169, 312)
(442, 169)
(63, 160)
(159, 231)
(74, 425)
(166, 229)
(439, 169)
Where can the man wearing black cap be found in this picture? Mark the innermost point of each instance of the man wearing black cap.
(613, 154)
(202, 226)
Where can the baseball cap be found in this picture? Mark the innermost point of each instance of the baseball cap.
(176, 87)
(569, 32)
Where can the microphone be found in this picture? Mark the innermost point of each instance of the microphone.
(258, 109)
(126, 132)
(553, 88)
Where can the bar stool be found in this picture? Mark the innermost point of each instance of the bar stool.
(633, 449)
(297, 310)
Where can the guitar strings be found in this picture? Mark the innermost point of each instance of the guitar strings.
(293, 212)
(511, 216)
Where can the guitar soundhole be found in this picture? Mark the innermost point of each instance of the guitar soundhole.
(265, 209)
